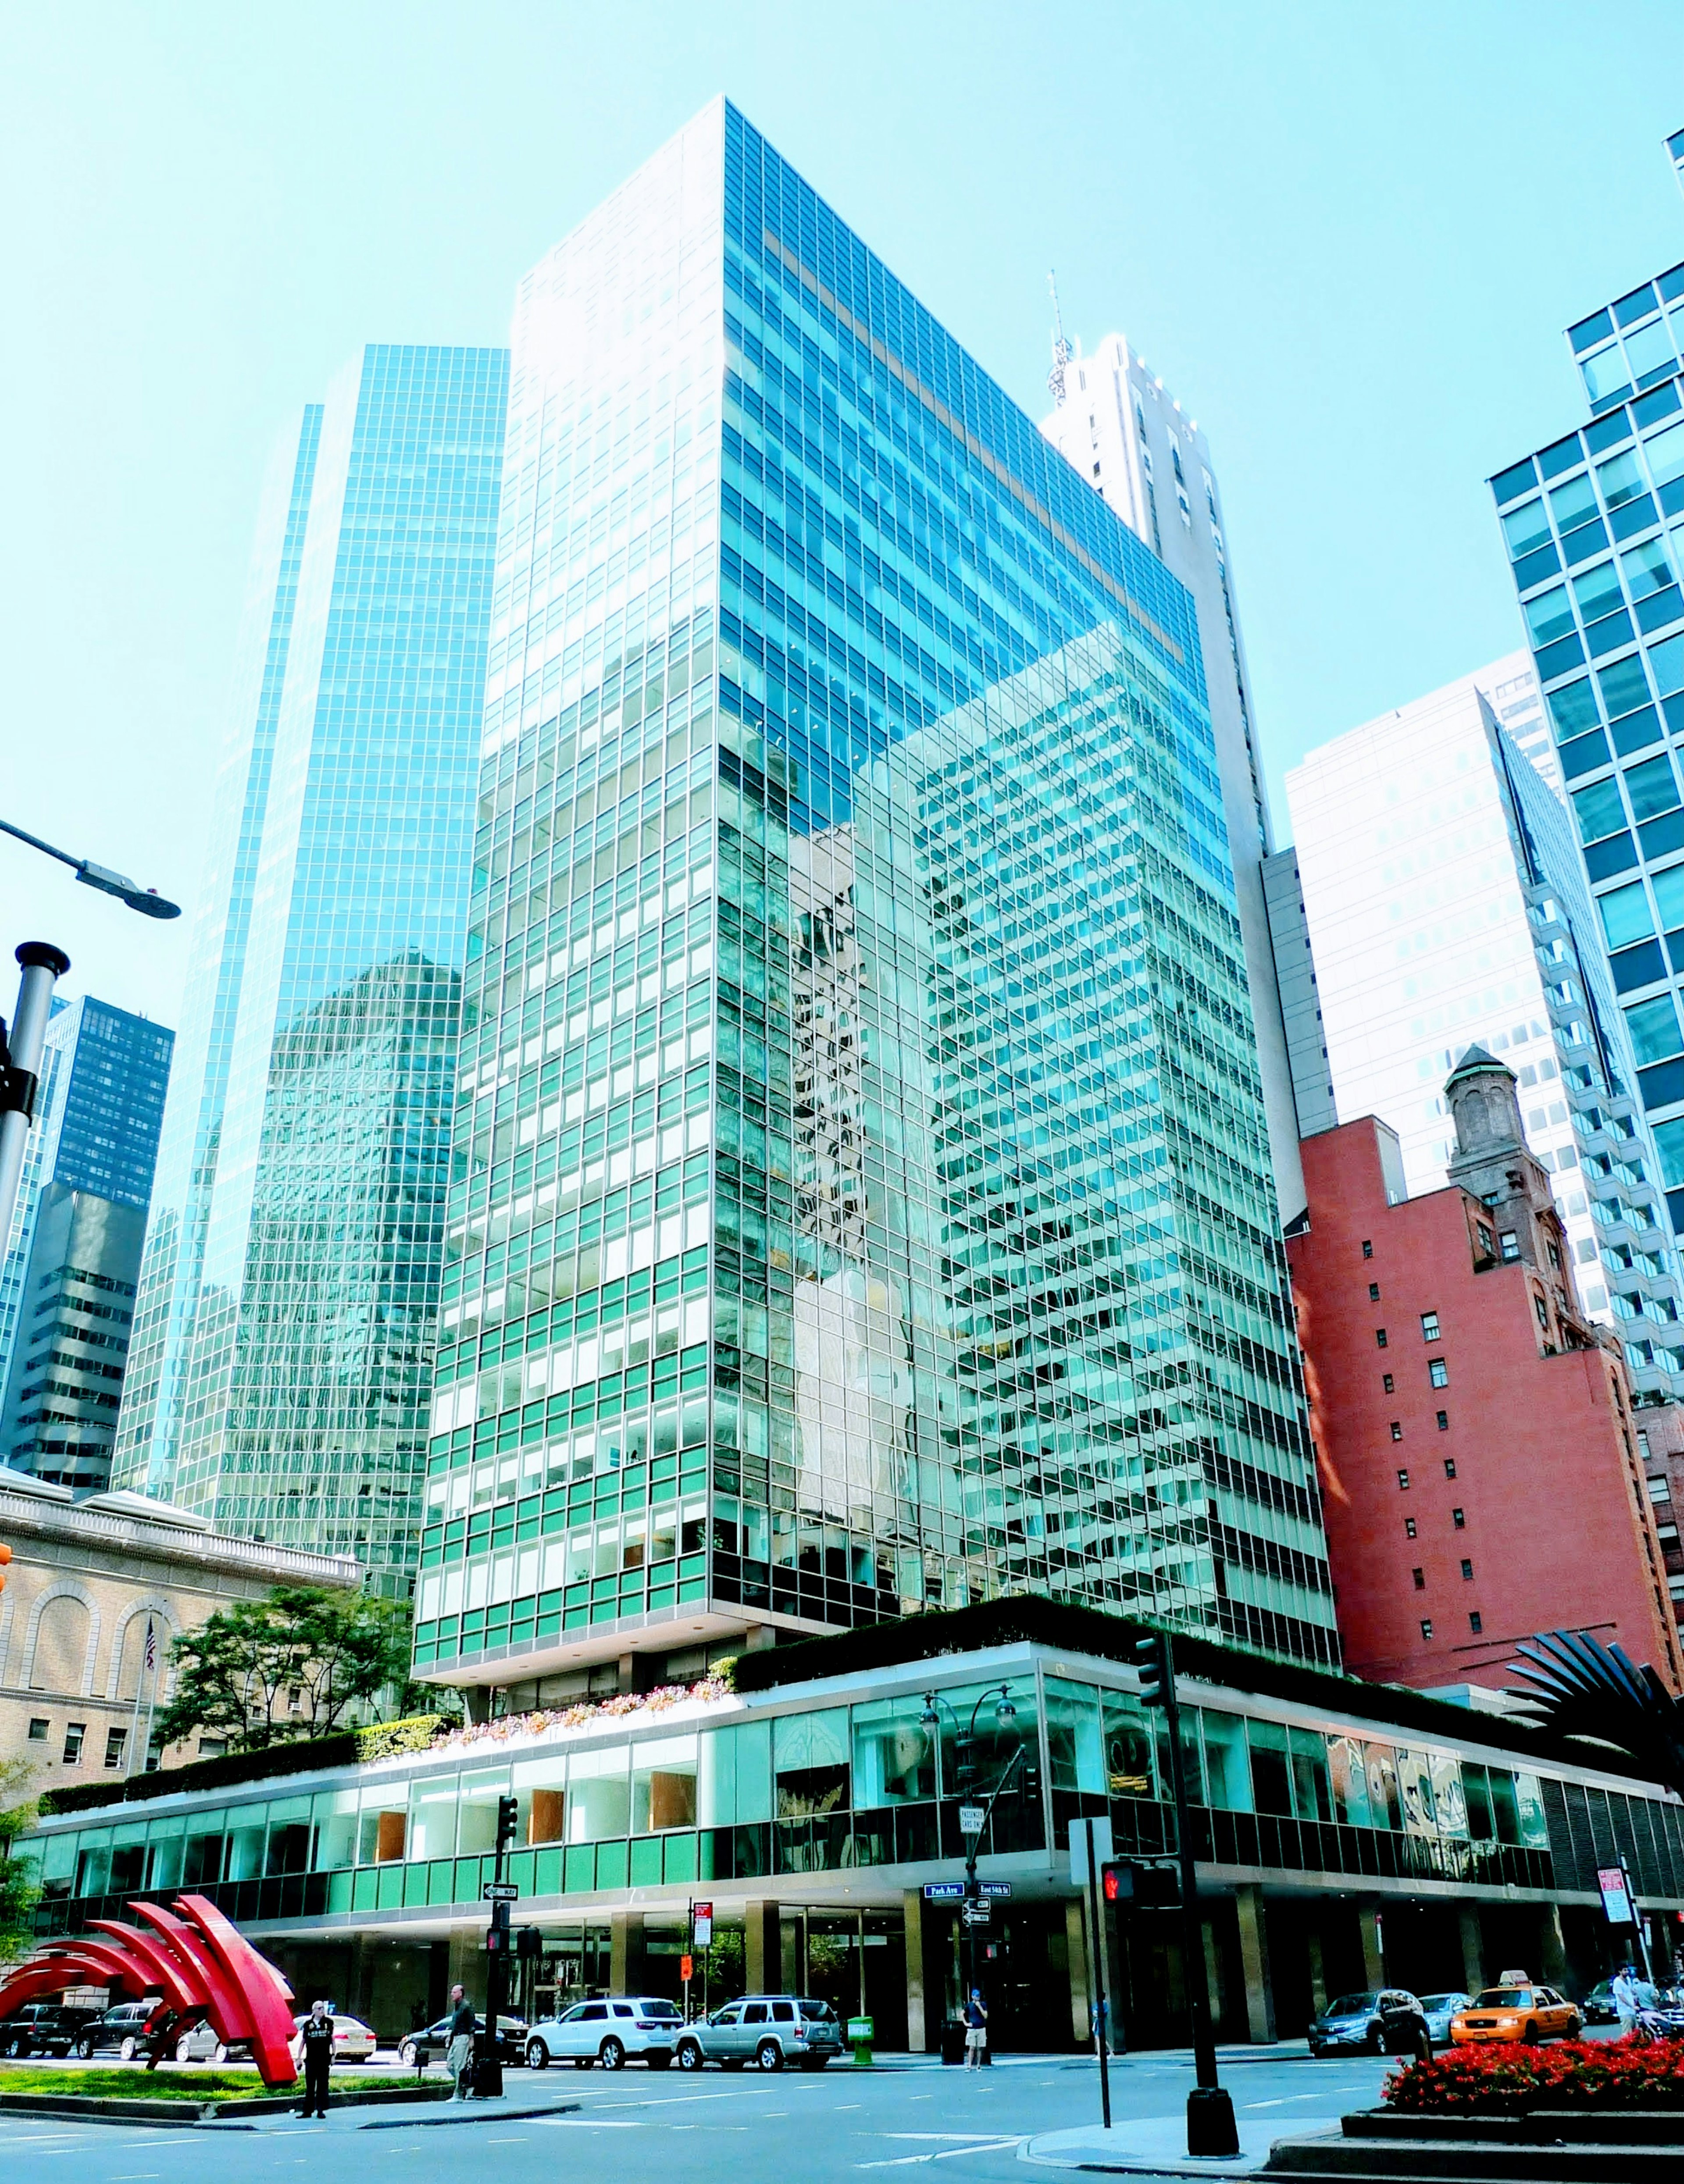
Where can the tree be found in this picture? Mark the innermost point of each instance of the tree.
(265, 1671)
(18, 1887)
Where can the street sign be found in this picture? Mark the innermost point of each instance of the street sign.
(971, 1819)
(1079, 1831)
(995, 1887)
(1616, 1900)
(686, 1968)
(944, 1892)
(701, 1925)
(978, 1914)
(499, 1892)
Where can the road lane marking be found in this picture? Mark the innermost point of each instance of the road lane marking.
(592, 2123)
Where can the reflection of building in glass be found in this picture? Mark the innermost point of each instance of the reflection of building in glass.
(287, 1301)
(861, 1195)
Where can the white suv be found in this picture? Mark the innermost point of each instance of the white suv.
(608, 2033)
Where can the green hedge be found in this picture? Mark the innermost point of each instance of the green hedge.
(303, 1755)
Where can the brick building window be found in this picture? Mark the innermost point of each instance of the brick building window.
(1409, 1528)
(1368, 1247)
(1429, 1327)
(1458, 1517)
(1511, 1244)
(1476, 1622)
(115, 1738)
(1420, 1578)
(1450, 1467)
(75, 1731)
(1444, 1421)
(39, 1726)
(1467, 1570)
(1487, 1241)
(1404, 1482)
(1380, 1338)
(1438, 1373)
(1373, 1292)
(1397, 1429)
(1427, 1626)
(1387, 1383)
(1542, 1310)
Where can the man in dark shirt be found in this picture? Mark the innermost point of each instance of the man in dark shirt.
(459, 2054)
(316, 2037)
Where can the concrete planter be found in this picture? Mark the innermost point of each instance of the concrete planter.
(1547, 2147)
(95, 2108)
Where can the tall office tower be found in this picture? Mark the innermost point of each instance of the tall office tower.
(860, 1195)
(86, 1183)
(1592, 525)
(1116, 425)
(287, 1317)
(1446, 908)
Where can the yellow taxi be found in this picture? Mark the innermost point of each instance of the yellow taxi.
(1516, 2008)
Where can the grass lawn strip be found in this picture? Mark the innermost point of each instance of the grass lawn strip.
(125, 2084)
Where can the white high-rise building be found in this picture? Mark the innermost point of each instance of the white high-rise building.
(1145, 457)
(1446, 908)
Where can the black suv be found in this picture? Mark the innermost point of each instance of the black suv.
(43, 2028)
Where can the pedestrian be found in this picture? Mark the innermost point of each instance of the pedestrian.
(315, 2036)
(1623, 1990)
(976, 2030)
(459, 2054)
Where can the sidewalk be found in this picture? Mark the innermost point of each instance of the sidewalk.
(1156, 2146)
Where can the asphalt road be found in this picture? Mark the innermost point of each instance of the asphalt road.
(720, 2128)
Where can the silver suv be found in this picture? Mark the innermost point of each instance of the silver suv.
(765, 2030)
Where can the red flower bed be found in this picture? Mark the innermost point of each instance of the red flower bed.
(1508, 2078)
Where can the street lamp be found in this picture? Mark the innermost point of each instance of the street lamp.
(42, 966)
(1004, 1712)
(147, 900)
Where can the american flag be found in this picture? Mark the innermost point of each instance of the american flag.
(151, 1648)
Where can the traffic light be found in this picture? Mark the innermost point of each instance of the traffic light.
(1117, 1883)
(1028, 1781)
(496, 1941)
(508, 1819)
(1151, 1662)
(5, 1556)
(529, 1943)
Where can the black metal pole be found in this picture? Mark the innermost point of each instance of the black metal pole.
(1210, 2112)
(1098, 1939)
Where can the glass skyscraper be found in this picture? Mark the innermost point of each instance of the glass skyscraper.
(1594, 527)
(87, 1177)
(285, 1325)
(860, 1194)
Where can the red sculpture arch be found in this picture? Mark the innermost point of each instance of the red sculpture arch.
(195, 1958)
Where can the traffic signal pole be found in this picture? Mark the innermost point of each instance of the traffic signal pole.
(1210, 2110)
(498, 1942)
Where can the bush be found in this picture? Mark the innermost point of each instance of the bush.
(1510, 2079)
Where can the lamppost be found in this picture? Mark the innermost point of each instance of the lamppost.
(41, 966)
(1004, 1712)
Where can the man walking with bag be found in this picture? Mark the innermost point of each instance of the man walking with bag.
(976, 2030)
(459, 2054)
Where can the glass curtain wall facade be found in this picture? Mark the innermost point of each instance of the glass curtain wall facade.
(860, 1194)
(1592, 525)
(98, 1111)
(286, 1322)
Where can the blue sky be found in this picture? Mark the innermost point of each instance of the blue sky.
(1348, 237)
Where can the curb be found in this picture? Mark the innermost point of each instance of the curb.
(476, 2111)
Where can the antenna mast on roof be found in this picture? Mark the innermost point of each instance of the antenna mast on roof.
(1061, 347)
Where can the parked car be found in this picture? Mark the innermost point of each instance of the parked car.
(430, 2042)
(43, 2028)
(119, 2030)
(765, 2030)
(1520, 2009)
(203, 2043)
(1386, 2021)
(610, 2032)
(1598, 2007)
(353, 2041)
(1438, 2009)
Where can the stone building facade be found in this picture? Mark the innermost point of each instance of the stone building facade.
(88, 1577)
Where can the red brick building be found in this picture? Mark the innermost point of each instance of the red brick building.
(1474, 1434)
(1661, 1452)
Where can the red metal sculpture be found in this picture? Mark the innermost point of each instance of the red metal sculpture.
(195, 1958)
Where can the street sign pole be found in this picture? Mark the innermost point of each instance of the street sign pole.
(1097, 1933)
